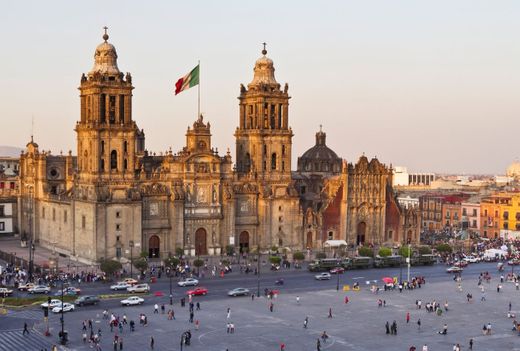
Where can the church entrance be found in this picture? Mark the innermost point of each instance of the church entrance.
(361, 232)
(308, 242)
(154, 244)
(200, 242)
(243, 241)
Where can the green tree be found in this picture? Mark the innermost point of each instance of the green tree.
(275, 259)
(109, 267)
(274, 249)
(385, 251)
(171, 262)
(230, 250)
(179, 251)
(141, 264)
(365, 251)
(405, 251)
(321, 255)
(198, 263)
(444, 248)
(298, 256)
(425, 250)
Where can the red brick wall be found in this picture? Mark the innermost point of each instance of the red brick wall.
(331, 216)
(392, 219)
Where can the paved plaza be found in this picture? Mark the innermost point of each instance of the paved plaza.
(358, 325)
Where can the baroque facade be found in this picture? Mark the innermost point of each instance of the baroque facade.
(114, 196)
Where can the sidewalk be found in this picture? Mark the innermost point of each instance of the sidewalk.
(12, 246)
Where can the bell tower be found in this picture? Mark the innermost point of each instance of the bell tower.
(108, 139)
(263, 137)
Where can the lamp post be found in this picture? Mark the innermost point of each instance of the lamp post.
(63, 337)
(131, 244)
(337, 281)
(258, 272)
(171, 294)
(408, 260)
(31, 239)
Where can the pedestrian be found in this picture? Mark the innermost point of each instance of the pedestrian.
(197, 324)
(425, 347)
(488, 328)
(191, 317)
(228, 313)
(163, 308)
(318, 345)
(510, 306)
(387, 327)
(25, 330)
(297, 300)
(282, 347)
(156, 308)
(232, 328)
(471, 344)
(330, 312)
(84, 336)
(394, 327)
(152, 342)
(198, 306)
(346, 300)
(115, 344)
(419, 324)
(120, 343)
(305, 322)
(252, 297)
(407, 317)
(271, 307)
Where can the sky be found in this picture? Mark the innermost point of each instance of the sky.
(430, 85)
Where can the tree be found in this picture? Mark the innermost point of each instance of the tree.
(321, 255)
(444, 248)
(385, 251)
(298, 256)
(274, 249)
(198, 263)
(405, 251)
(171, 262)
(109, 267)
(179, 251)
(230, 250)
(275, 260)
(365, 251)
(425, 250)
(141, 264)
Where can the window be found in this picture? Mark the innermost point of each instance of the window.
(273, 161)
(390, 233)
(112, 109)
(283, 165)
(280, 219)
(53, 214)
(506, 215)
(464, 212)
(283, 149)
(43, 212)
(474, 212)
(83, 222)
(12, 185)
(125, 164)
(125, 146)
(2, 211)
(265, 149)
(102, 146)
(485, 213)
(121, 108)
(64, 216)
(118, 227)
(474, 223)
(2, 226)
(113, 160)
(506, 225)
(102, 165)
(485, 234)
(280, 208)
(331, 235)
(118, 252)
(118, 214)
(102, 108)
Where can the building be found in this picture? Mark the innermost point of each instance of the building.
(431, 212)
(401, 178)
(9, 193)
(115, 196)
(9, 166)
(471, 215)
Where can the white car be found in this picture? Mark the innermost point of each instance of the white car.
(39, 289)
(139, 288)
(132, 300)
(188, 282)
(471, 259)
(54, 303)
(67, 307)
(5, 292)
(120, 286)
(322, 276)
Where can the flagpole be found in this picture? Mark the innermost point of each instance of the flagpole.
(198, 97)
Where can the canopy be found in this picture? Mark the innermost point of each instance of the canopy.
(494, 252)
(387, 280)
(335, 243)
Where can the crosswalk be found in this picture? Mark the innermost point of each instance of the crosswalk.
(14, 340)
(27, 314)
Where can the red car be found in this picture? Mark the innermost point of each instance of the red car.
(337, 270)
(197, 291)
(461, 264)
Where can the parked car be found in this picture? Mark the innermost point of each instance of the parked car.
(39, 289)
(139, 288)
(461, 264)
(67, 307)
(337, 270)
(87, 300)
(188, 282)
(120, 286)
(5, 292)
(514, 262)
(25, 287)
(322, 276)
(130, 281)
(197, 291)
(132, 300)
(238, 292)
(54, 303)
(454, 269)
(471, 259)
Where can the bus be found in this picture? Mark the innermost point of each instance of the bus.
(423, 260)
(361, 262)
(325, 264)
(388, 261)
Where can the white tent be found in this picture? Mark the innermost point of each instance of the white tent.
(335, 243)
(494, 252)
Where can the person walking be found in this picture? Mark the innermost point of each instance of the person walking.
(197, 324)
(271, 307)
(228, 313)
(407, 317)
(152, 342)
(198, 306)
(120, 343)
(471, 344)
(425, 347)
(330, 312)
(387, 327)
(305, 322)
(318, 344)
(156, 308)
(419, 324)
(25, 330)
(297, 300)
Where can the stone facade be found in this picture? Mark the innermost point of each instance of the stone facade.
(115, 198)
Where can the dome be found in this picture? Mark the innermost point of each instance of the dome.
(105, 58)
(514, 169)
(320, 158)
(264, 72)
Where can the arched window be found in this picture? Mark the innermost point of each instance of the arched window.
(102, 147)
(247, 166)
(125, 146)
(273, 161)
(125, 164)
(113, 159)
(102, 165)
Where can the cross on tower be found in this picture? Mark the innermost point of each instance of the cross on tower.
(264, 51)
(105, 36)
(320, 127)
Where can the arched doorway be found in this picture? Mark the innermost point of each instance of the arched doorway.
(243, 241)
(361, 231)
(200, 242)
(308, 242)
(154, 244)
(409, 237)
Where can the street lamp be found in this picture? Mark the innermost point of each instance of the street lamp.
(131, 244)
(63, 336)
(258, 272)
(171, 294)
(337, 281)
(31, 239)
(408, 260)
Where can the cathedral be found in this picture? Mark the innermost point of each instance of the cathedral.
(114, 196)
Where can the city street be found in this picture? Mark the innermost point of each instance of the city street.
(359, 325)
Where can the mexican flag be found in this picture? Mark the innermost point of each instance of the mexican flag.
(188, 81)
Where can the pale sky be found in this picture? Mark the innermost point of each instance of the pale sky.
(431, 85)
